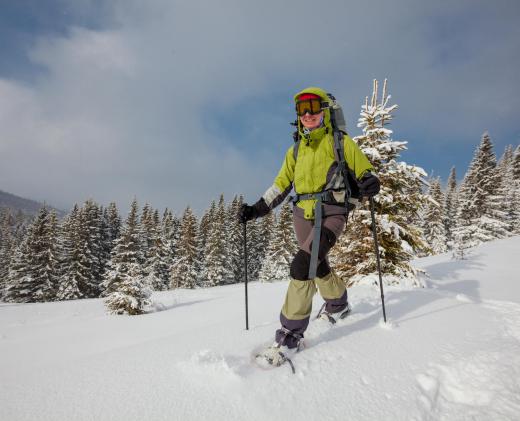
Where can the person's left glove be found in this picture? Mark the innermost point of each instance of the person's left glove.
(369, 185)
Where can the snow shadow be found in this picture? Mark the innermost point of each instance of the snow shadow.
(446, 277)
(401, 307)
(158, 306)
(451, 269)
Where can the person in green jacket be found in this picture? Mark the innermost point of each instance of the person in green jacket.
(312, 170)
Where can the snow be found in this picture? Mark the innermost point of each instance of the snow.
(451, 351)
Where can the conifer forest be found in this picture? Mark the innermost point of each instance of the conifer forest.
(94, 251)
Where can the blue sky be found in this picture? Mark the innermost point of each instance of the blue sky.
(175, 102)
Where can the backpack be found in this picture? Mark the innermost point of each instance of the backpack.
(343, 172)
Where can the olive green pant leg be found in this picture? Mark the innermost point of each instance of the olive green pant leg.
(298, 300)
(332, 289)
(296, 312)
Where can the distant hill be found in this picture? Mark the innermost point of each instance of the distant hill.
(27, 206)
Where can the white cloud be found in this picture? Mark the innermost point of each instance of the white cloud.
(120, 112)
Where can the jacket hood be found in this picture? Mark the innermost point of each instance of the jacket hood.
(323, 95)
(312, 90)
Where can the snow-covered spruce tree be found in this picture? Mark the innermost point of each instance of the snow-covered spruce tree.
(206, 222)
(19, 282)
(146, 226)
(93, 249)
(215, 269)
(168, 238)
(7, 246)
(73, 267)
(235, 241)
(157, 268)
(254, 248)
(397, 205)
(112, 225)
(183, 273)
(479, 217)
(260, 235)
(129, 293)
(507, 191)
(110, 230)
(516, 187)
(21, 224)
(434, 230)
(450, 208)
(281, 248)
(170, 232)
(32, 276)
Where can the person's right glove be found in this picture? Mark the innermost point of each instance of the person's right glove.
(369, 185)
(247, 213)
(258, 210)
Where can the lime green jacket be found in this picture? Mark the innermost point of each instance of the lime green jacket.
(315, 163)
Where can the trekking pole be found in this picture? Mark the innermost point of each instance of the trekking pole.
(245, 272)
(376, 245)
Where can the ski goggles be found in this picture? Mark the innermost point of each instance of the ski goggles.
(312, 106)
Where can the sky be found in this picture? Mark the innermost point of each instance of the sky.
(175, 102)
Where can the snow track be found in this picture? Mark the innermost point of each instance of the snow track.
(451, 352)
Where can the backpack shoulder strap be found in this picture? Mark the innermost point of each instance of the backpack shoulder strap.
(339, 154)
(295, 149)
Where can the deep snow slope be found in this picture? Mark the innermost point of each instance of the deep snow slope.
(451, 351)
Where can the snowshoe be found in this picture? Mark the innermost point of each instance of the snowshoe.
(277, 355)
(332, 318)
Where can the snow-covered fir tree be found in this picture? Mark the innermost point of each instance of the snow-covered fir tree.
(214, 270)
(112, 224)
(281, 248)
(254, 243)
(19, 284)
(462, 243)
(507, 191)
(7, 246)
(183, 273)
(235, 240)
(148, 230)
(397, 205)
(90, 238)
(450, 208)
(206, 222)
(128, 291)
(157, 264)
(516, 187)
(21, 226)
(479, 217)
(170, 232)
(260, 234)
(434, 229)
(33, 273)
(110, 230)
(73, 267)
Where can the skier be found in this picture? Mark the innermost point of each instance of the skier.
(311, 168)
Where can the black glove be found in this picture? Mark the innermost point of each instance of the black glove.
(247, 213)
(369, 185)
(258, 210)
